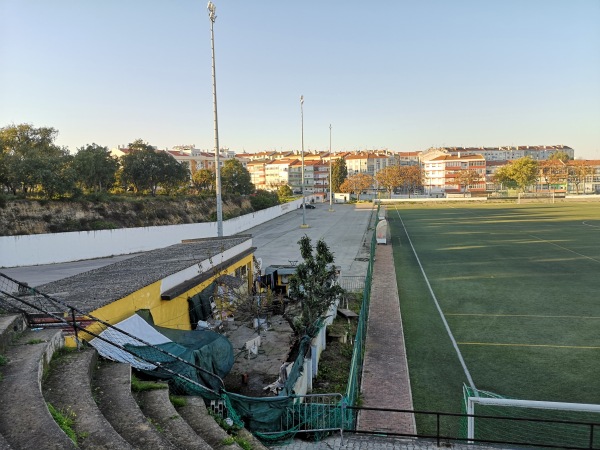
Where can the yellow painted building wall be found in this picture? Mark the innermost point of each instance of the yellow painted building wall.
(166, 313)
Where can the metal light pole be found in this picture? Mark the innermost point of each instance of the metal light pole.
(330, 174)
(212, 16)
(302, 173)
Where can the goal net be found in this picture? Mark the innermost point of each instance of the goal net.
(536, 197)
(491, 417)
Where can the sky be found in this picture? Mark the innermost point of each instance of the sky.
(393, 74)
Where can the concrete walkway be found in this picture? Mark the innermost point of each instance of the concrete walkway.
(385, 382)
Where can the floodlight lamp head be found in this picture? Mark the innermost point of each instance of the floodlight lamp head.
(212, 11)
(302, 99)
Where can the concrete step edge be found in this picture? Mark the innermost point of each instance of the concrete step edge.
(68, 388)
(25, 421)
(112, 388)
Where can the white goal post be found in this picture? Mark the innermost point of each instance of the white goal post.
(531, 404)
(536, 196)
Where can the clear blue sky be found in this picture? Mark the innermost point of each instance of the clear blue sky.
(402, 75)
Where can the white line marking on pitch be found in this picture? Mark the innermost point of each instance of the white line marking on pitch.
(590, 225)
(437, 305)
(531, 316)
(564, 248)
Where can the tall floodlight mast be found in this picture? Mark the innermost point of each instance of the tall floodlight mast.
(330, 174)
(302, 173)
(212, 10)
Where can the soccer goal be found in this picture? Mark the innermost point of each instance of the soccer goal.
(536, 197)
(491, 417)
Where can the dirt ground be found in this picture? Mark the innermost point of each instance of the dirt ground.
(251, 373)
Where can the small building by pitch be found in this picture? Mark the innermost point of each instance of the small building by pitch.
(163, 282)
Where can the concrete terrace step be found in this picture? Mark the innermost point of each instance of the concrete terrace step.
(196, 415)
(25, 421)
(112, 388)
(157, 406)
(10, 327)
(3, 444)
(68, 388)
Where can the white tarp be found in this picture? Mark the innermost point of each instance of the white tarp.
(136, 326)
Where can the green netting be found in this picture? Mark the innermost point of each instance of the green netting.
(210, 351)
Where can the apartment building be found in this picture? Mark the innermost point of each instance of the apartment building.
(441, 173)
(257, 171)
(277, 173)
(510, 153)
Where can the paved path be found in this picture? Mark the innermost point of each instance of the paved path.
(385, 382)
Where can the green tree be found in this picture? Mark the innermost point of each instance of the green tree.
(95, 168)
(235, 178)
(27, 155)
(284, 192)
(146, 169)
(520, 173)
(314, 285)
(339, 173)
(204, 180)
(56, 177)
(263, 199)
(560, 155)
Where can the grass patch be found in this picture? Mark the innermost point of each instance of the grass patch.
(3, 360)
(34, 341)
(335, 361)
(65, 420)
(518, 287)
(138, 385)
(177, 401)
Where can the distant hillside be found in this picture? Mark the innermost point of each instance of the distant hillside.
(20, 217)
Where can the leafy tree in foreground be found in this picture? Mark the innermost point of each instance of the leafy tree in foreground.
(520, 173)
(411, 178)
(560, 156)
(389, 178)
(339, 173)
(314, 285)
(357, 183)
(466, 178)
(204, 180)
(578, 171)
(263, 199)
(28, 155)
(284, 192)
(146, 169)
(235, 178)
(553, 172)
(95, 168)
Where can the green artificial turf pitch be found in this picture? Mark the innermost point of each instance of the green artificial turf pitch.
(519, 287)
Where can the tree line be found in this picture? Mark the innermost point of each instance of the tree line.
(32, 164)
(407, 179)
(558, 170)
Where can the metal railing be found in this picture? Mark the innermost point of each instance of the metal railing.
(317, 414)
(577, 435)
(352, 283)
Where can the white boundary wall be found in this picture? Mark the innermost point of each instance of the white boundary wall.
(37, 249)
